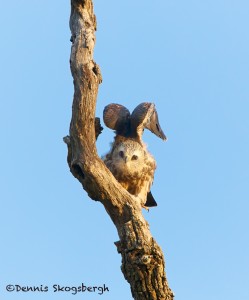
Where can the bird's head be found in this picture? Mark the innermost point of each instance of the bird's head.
(129, 156)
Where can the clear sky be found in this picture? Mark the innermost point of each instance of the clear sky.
(189, 57)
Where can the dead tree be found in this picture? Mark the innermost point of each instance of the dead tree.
(142, 259)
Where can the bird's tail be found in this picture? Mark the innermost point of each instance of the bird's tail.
(150, 202)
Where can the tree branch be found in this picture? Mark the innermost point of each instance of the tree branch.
(142, 258)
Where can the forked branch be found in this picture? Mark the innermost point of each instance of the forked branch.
(142, 259)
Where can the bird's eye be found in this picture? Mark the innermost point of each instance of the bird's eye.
(134, 157)
(121, 154)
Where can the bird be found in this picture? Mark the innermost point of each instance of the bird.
(128, 159)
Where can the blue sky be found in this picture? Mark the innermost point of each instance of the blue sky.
(191, 59)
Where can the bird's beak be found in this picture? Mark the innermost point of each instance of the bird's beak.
(125, 159)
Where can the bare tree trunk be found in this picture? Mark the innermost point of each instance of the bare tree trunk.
(142, 259)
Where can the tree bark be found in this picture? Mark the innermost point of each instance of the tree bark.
(142, 259)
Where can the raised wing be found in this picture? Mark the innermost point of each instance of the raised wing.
(145, 116)
(117, 117)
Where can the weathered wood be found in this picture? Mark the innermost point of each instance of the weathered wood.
(142, 259)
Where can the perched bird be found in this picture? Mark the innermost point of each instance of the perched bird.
(133, 167)
(129, 160)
